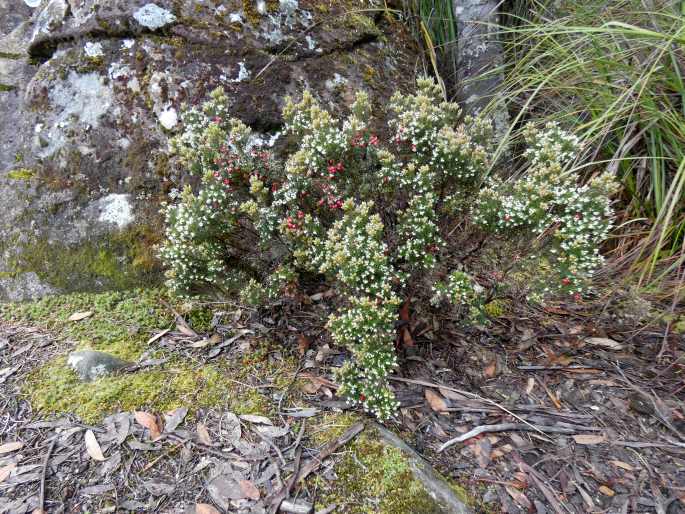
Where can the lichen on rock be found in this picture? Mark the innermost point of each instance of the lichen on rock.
(153, 16)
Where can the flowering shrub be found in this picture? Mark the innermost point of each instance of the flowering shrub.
(374, 218)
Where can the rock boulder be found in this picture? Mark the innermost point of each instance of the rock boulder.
(90, 92)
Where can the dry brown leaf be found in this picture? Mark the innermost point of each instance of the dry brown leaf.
(606, 490)
(158, 336)
(203, 434)
(150, 422)
(253, 418)
(589, 438)
(310, 387)
(501, 451)
(93, 447)
(451, 395)
(436, 402)
(622, 465)
(183, 327)
(520, 480)
(604, 342)
(323, 353)
(249, 489)
(11, 447)
(78, 316)
(519, 498)
(490, 370)
(407, 339)
(303, 344)
(6, 471)
(201, 343)
(205, 508)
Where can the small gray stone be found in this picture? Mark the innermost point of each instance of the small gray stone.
(90, 365)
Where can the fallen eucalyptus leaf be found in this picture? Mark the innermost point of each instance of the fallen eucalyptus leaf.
(256, 419)
(150, 422)
(11, 447)
(93, 447)
(78, 316)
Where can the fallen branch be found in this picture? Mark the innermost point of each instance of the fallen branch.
(505, 427)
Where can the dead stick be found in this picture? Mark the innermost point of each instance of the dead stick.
(43, 473)
(548, 494)
(281, 495)
(502, 427)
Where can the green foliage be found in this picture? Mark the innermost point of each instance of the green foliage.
(373, 219)
(435, 23)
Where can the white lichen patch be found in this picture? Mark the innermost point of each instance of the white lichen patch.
(83, 98)
(288, 7)
(153, 16)
(168, 118)
(93, 49)
(335, 82)
(122, 73)
(116, 209)
(127, 44)
(243, 73)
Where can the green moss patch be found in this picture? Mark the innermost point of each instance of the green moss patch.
(21, 174)
(56, 388)
(121, 324)
(372, 477)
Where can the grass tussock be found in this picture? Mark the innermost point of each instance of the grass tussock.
(614, 71)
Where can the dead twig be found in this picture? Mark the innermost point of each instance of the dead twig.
(312, 464)
(548, 494)
(273, 445)
(43, 474)
(502, 427)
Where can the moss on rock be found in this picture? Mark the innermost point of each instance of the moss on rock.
(120, 260)
(372, 477)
